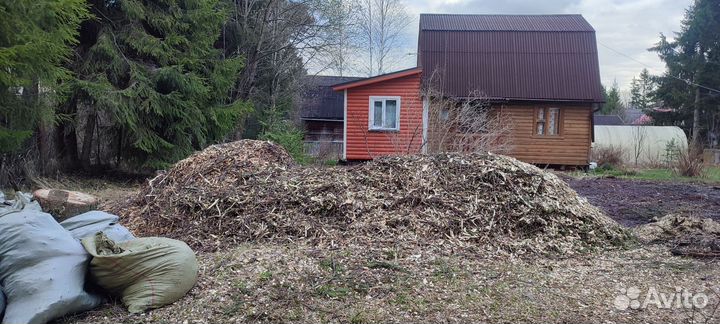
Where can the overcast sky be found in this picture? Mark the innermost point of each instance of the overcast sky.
(628, 26)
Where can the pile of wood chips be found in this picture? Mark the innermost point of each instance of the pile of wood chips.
(250, 191)
(684, 234)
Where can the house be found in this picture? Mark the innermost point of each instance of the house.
(321, 114)
(541, 71)
(384, 115)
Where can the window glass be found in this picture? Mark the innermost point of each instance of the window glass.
(554, 120)
(540, 128)
(444, 114)
(390, 114)
(377, 114)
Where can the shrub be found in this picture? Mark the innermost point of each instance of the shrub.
(290, 137)
(608, 156)
(689, 162)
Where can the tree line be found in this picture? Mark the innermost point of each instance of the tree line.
(687, 94)
(140, 84)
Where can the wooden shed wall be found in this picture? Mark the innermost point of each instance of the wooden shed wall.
(363, 144)
(572, 147)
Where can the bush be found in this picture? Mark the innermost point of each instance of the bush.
(689, 163)
(290, 137)
(607, 156)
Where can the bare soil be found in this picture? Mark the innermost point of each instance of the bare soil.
(633, 202)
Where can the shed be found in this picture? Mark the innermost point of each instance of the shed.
(321, 113)
(384, 115)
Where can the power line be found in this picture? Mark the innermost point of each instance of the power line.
(650, 67)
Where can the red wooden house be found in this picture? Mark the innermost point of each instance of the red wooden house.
(383, 115)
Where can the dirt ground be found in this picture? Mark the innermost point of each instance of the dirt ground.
(634, 202)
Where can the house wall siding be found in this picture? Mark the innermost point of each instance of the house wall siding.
(363, 144)
(572, 147)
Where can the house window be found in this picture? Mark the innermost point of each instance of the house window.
(384, 113)
(547, 121)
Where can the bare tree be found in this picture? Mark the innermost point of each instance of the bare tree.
(464, 125)
(261, 29)
(639, 145)
(381, 24)
(341, 52)
(469, 124)
(278, 40)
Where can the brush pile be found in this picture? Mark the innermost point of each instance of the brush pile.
(249, 191)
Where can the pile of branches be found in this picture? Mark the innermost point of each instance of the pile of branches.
(250, 191)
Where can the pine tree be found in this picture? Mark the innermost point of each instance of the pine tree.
(35, 39)
(153, 66)
(641, 91)
(692, 78)
(613, 105)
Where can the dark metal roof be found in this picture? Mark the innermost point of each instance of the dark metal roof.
(320, 101)
(531, 23)
(377, 78)
(632, 114)
(607, 120)
(511, 57)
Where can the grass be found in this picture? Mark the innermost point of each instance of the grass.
(331, 291)
(265, 276)
(712, 175)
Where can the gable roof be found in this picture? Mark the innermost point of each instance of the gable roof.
(535, 23)
(511, 57)
(319, 101)
(377, 78)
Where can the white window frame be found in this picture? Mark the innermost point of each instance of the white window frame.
(371, 115)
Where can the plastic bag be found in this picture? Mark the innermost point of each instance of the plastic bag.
(146, 272)
(42, 269)
(88, 224)
(22, 202)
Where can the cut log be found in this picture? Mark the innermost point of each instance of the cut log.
(63, 204)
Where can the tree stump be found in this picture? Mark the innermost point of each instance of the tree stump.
(63, 204)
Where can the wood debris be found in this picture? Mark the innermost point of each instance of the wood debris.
(250, 191)
(685, 235)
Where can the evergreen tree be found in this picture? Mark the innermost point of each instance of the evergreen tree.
(153, 66)
(35, 39)
(613, 105)
(692, 75)
(641, 91)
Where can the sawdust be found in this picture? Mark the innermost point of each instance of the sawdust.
(251, 191)
(297, 283)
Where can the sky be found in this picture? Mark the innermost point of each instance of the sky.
(627, 26)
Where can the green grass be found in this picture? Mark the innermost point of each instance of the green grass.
(331, 291)
(266, 275)
(712, 175)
